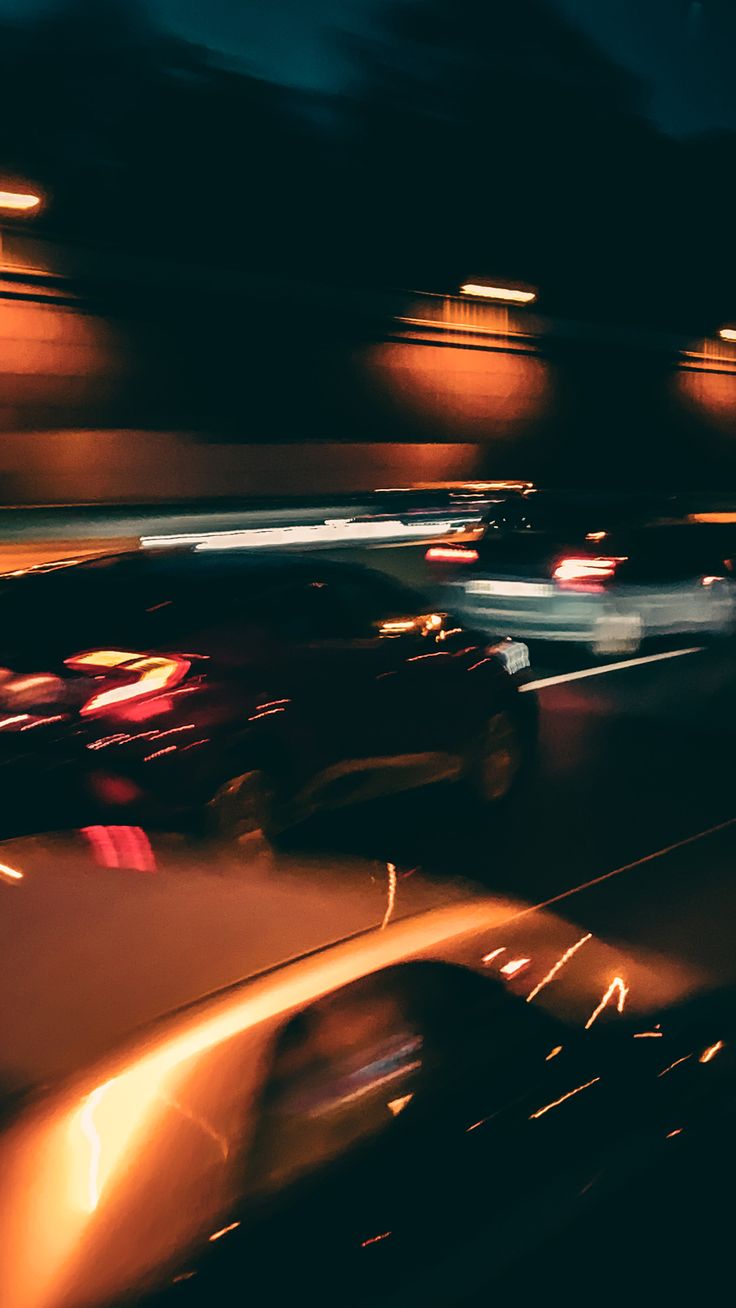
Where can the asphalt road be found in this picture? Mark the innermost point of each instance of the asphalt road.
(632, 762)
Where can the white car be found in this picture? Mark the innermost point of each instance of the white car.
(607, 590)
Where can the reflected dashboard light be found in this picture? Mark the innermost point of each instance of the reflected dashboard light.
(483, 290)
(10, 874)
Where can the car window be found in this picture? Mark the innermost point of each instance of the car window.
(418, 1033)
(370, 598)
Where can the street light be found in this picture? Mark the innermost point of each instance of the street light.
(19, 202)
(727, 333)
(501, 294)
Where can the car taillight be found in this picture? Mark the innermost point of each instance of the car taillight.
(585, 569)
(137, 676)
(451, 554)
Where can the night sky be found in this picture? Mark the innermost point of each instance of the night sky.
(681, 49)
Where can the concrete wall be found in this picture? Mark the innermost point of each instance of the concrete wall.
(123, 385)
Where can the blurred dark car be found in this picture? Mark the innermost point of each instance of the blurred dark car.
(235, 1078)
(592, 575)
(237, 691)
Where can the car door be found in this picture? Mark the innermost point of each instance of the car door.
(330, 672)
(423, 659)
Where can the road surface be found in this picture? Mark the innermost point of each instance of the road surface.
(628, 822)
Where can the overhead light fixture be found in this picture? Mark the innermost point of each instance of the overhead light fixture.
(727, 333)
(19, 201)
(502, 294)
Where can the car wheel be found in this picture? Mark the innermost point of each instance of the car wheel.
(243, 806)
(499, 758)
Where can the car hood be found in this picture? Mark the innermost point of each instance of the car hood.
(105, 930)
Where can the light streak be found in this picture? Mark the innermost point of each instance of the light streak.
(488, 958)
(556, 1102)
(19, 201)
(711, 1051)
(616, 985)
(374, 1239)
(553, 1053)
(10, 873)
(225, 1230)
(397, 1106)
(504, 294)
(327, 533)
(568, 954)
(675, 1064)
(513, 966)
(91, 1134)
(391, 895)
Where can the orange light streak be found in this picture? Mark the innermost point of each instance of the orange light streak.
(675, 1064)
(711, 1051)
(556, 1102)
(616, 985)
(217, 1235)
(568, 954)
(391, 895)
(19, 201)
(10, 873)
(488, 958)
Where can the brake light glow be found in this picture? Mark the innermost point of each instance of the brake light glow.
(586, 568)
(144, 675)
(450, 554)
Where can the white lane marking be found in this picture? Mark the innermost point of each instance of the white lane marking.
(609, 667)
(626, 867)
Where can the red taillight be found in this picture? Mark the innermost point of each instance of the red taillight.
(137, 676)
(451, 554)
(585, 569)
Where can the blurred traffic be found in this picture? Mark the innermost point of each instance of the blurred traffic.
(344, 885)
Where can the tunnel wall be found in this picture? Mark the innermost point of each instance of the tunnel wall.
(130, 388)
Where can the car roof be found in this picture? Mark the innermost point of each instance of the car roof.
(171, 559)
